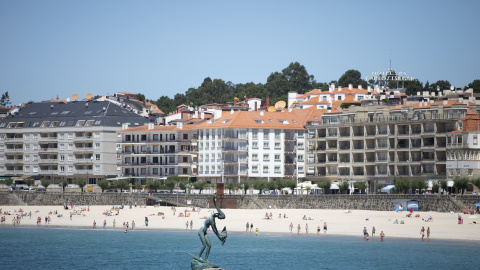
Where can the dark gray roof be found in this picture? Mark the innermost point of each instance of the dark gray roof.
(104, 113)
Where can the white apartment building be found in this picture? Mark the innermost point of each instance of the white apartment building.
(63, 140)
(250, 145)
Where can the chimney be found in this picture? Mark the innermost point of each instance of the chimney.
(262, 112)
(350, 86)
(150, 125)
(332, 87)
(195, 115)
(179, 125)
(339, 89)
(418, 93)
(124, 126)
(360, 87)
(268, 101)
(329, 109)
(202, 115)
(231, 111)
(86, 104)
(51, 107)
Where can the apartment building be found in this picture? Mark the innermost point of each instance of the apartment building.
(243, 145)
(153, 151)
(63, 140)
(382, 142)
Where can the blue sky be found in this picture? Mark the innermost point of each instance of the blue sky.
(50, 48)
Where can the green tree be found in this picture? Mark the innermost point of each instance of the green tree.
(461, 184)
(166, 104)
(170, 184)
(45, 182)
(353, 77)
(441, 84)
(230, 186)
(200, 186)
(419, 184)
(246, 186)
(140, 97)
(443, 185)
(8, 182)
(5, 100)
(259, 185)
(103, 184)
(360, 186)
(153, 185)
(476, 182)
(402, 184)
(379, 187)
(122, 184)
(343, 186)
(475, 85)
(325, 185)
(435, 186)
(82, 182)
(28, 182)
(63, 183)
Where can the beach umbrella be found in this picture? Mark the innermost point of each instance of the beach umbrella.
(472, 216)
(159, 201)
(477, 204)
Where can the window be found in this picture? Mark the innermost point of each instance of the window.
(277, 157)
(70, 135)
(35, 147)
(96, 135)
(266, 157)
(27, 147)
(70, 157)
(265, 169)
(35, 169)
(97, 145)
(62, 146)
(254, 157)
(62, 157)
(324, 98)
(70, 146)
(70, 168)
(255, 168)
(26, 169)
(300, 157)
(35, 136)
(450, 172)
(300, 146)
(254, 134)
(458, 172)
(266, 145)
(300, 169)
(97, 168)
(27, 157)
(26, 136)
(266, 133)
(277, 169)
(62, 168)
(62, 136)
(277, 146)
(470, 172)
(277, 134)
(97, 156)
(475, 141)
(35, 158)
(254, 145)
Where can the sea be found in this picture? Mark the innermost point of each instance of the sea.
(81, 248)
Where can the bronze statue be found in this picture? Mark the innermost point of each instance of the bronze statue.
(198, 262)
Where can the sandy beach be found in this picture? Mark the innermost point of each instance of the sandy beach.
(339, 222)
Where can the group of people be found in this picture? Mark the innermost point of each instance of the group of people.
(366, 236)
(189, 223)
(299, 228)
(422, 232)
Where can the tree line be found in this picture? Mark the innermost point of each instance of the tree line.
(293, 78)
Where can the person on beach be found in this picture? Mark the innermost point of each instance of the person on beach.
(291, 226)
(146, 221)
(364, 232)
(428, 232)
(114, 223)
(324, 227)
(373, 231)
(366, 237)
(318, 230)
(191, 224)
(133, 225)
(127, 226)
(422, 232)
(186, 225)
(94, 224)
(298, 229)
(251, 227)
(104, 223)
(248, 226)
(382, 235)
(306, 228)
(256, 232)
(71, 215)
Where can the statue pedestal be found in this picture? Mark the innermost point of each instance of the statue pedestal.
(201, 264)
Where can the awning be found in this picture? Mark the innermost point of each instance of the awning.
(387, 188)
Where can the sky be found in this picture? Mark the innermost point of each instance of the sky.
(161, 48)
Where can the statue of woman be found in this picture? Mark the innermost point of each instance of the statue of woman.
(210, 221)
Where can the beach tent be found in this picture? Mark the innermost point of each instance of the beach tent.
(387, 189)
(477, 204)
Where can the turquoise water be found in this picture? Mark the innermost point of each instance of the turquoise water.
(50, 248)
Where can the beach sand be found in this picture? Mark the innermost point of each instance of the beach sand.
(339, 222)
